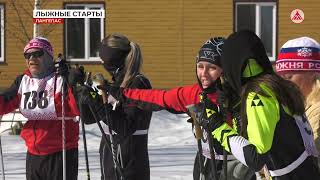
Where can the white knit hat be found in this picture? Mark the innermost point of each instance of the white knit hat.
(300, 54)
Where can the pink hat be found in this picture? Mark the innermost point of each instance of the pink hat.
(300, 54)
(40, 43)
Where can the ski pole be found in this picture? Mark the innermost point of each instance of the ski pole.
(201, 163)
(225, 164)
(85, 147)
(118, 167)
(120, 155)
(2, 163)
(100, 79)
(198, 135)
(84, 134)
(1, 156)
(64, 168)
(224, 105)
(113, 147)
(212, 155)
(210, 141)
(63, 132)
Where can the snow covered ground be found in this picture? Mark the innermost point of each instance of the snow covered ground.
(172, 149)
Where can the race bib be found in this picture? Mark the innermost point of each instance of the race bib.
(37, 97)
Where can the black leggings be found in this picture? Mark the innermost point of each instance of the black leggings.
(49, 167)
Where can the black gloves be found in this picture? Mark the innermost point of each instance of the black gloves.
(105, 86)
(61, 67)
(90, 104)
(114, 91)
(212, 116)
(87, 95)
(73, 76)
(76, 76)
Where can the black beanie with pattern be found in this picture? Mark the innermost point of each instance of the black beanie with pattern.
(211, 51)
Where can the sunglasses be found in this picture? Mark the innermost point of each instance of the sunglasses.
(35, 54)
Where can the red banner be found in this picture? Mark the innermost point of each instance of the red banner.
(48, 20)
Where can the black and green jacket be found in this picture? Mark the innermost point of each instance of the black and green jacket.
(273, 138)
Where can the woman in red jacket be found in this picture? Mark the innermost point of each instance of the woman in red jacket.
(37, 94)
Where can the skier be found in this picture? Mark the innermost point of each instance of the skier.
(37, 93)
(122, 59)
(274, 129)
(304, 55)
(186, 99)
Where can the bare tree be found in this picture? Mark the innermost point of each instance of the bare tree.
(18, 28)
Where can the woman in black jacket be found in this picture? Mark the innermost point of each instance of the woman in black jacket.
(129, 124)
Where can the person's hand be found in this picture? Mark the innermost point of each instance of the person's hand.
(114, 92)
(104, 86)
(100, 83)
(89, 103)
(212, 117)
(217, 127)
(87, 95)
(61, 67)
(76, 76)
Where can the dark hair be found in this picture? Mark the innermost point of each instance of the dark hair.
(286, 92)
(133, 60)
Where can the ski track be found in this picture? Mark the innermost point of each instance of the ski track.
(172, 150)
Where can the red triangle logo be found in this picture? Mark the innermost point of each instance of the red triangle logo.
(297, 16)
